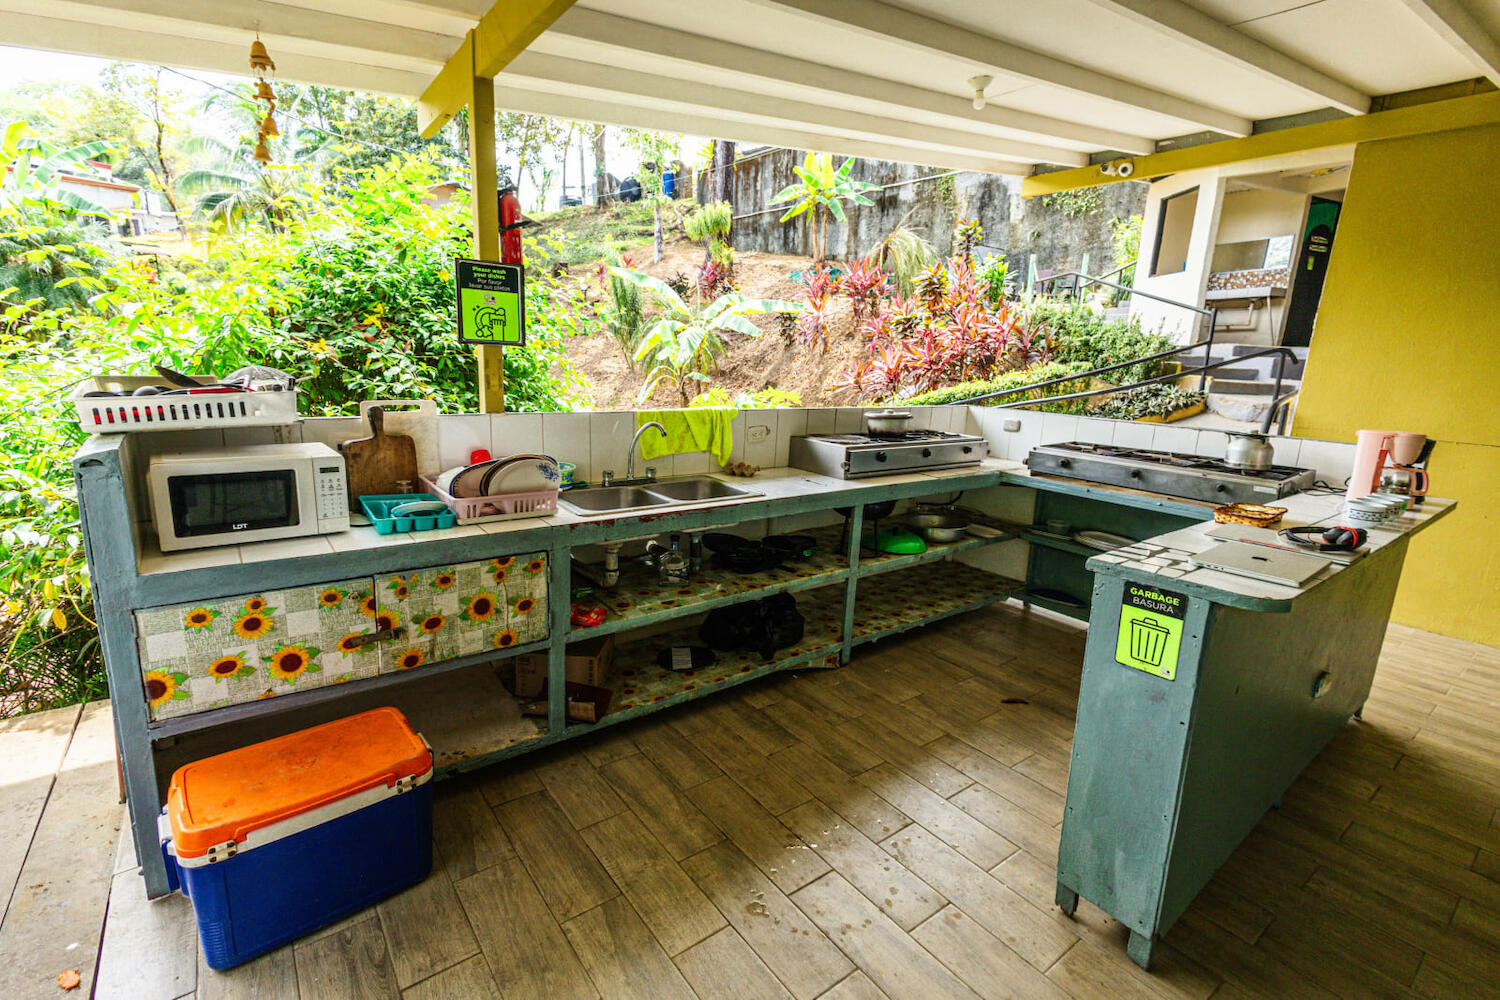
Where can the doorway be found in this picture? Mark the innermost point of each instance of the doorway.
(1312, 268)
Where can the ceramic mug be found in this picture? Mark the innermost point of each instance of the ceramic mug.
(1406, 447)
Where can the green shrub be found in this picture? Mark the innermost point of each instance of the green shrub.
(1013, 380)
(1157, 400)
(1082, 336)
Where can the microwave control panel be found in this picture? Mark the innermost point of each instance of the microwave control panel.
(333, 496)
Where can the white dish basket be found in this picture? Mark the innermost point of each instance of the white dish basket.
(121, 414)
(500, 507)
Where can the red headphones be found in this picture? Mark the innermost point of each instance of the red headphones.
(1335, 539)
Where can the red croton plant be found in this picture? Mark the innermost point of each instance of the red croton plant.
(946, 332)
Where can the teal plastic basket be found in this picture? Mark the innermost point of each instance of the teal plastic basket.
(378, 509)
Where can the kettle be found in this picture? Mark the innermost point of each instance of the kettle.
(1249, 451)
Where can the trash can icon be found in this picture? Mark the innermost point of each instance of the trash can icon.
(1148, 641)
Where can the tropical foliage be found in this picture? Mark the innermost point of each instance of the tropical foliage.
(821, 191)
(682, 346)
(354, 294)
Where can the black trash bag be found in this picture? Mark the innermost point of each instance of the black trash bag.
(759, 626)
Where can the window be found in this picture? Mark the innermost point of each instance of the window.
(1174, 232)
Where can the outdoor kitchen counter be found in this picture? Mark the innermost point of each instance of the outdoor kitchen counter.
(1166, 563)
(1197, 710)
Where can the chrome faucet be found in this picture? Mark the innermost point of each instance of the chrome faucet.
(630, 479)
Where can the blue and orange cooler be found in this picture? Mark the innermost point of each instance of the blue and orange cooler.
(275, 840)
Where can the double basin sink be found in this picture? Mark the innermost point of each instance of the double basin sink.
(667, 493)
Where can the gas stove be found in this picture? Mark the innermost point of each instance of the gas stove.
(859, 456)
(1192, 476)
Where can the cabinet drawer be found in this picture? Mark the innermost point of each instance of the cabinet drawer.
(463, 608)
(215, 653)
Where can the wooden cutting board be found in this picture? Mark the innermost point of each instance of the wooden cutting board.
(379, 463)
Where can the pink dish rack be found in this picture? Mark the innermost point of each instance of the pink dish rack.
(500, 507)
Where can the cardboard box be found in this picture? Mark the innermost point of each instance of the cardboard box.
(584, 702)
(587, 663)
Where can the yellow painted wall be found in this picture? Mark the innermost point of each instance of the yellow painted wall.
(1408, 338)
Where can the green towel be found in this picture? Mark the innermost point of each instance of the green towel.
(707, 429)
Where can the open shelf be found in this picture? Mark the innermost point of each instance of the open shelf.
(1061, 545)
(465, 713)
(341, 692)
(897, 602)
(872, 562)
(641, 686)
(639, 598)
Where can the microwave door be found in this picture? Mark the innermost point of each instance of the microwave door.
(233, 503)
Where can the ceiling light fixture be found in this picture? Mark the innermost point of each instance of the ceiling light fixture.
(978, 83)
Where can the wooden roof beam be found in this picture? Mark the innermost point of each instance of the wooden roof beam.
(916, 31)
(501, 34)
(1191, 25)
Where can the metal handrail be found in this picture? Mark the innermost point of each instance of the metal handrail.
(1206, 343)
(1277, 401)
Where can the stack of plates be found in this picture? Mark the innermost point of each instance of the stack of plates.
(499, 476)
(1103, 541)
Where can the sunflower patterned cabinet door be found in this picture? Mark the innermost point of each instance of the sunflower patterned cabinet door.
(215, 653)
(462, 609)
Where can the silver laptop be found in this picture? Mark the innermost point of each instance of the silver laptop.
(1261, 562)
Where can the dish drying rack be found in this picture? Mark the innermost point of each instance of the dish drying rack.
(498, 507)
(197, 411)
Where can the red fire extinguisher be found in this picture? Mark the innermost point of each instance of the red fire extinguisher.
(510, 227)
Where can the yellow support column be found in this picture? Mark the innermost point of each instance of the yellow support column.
(485, 223)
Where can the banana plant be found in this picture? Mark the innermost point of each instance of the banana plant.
(35, 170)
(823, 190)
(682, 346)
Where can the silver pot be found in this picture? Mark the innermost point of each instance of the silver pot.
(1249, 451)
(886, 421)
(939, 527)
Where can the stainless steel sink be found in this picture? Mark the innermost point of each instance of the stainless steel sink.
(669, 492)
(687, 490)
(610, 499)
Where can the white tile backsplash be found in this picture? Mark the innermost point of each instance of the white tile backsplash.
(1333, 460)
(609, 441)
(1133, 434)
(1059, 427)
(694, 463)
(516, 434)
(459, 434)
(1183, 440)
(849, 420)
(1095, 430)
(565, 436)
(1212, 444)
(789, 424)
(821, 421)
(760, 437)
(1287, 451)
(333, 431)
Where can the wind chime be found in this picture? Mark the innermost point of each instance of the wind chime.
(261, 65)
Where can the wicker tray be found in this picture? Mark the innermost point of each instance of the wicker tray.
(1254, 514)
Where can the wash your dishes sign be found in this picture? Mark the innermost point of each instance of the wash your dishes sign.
(491, 303)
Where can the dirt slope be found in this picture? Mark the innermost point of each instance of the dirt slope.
(751, 364)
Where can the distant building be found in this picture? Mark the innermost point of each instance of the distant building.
(135, 211)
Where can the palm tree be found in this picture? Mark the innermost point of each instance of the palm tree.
(233, 191)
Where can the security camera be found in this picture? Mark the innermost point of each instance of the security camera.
(1125, 168)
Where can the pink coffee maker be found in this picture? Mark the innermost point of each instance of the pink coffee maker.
(1388, 457)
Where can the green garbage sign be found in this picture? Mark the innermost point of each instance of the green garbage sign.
(1150, 629)
(491, 303)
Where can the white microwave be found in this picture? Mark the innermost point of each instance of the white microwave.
(247, 494)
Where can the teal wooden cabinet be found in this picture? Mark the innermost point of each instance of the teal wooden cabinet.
(1169, 776)
(210, 654)
(445, 612)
